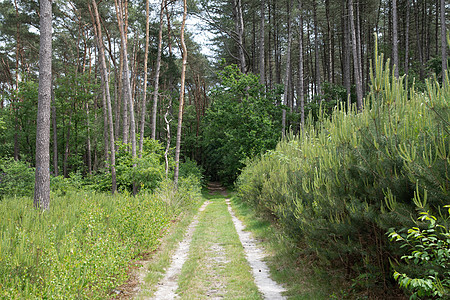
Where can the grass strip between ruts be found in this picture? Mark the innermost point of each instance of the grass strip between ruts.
(216, 266)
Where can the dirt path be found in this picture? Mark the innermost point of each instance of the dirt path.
(255, 255)
(208, 272)
(169, 284)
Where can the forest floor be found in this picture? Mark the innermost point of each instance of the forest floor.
(208, 255)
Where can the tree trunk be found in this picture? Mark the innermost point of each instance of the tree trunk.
(358, 81)
(166, 152)
(301, 95)
(180, 111)
(127, 84)
(55, 137)
(288, 71)
(88, 140)
(157, 70)
(330, 44)
(67, 148)
(316, 49)
(239, 25)
(395, 37)
(407, 38)
(262, 69)
(105, 84)
(144, 98)
(418, 39)
(359, 45)
(346, 51)
(42, 177)
(443, 42)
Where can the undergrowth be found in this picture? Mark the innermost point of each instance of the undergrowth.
(82, 246)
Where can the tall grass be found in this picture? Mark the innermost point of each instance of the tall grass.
(81, 248)
(340, 185)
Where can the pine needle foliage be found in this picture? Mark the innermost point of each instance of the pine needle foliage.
(345, 180)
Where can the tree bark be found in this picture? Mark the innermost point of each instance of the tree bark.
(395, 38)
(346, 50)
(358, 81)
(157, 70)
(301, 95)
(105, 84)
(55, 137)
(418, 39)
(127, 84)
(443, 42)
(180, 111)
(316, 49)
(42, 176)
(407, 38)
(288, 71)
(144, 98)
(239, 26)
(262, 69)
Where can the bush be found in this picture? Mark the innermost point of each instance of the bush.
(190, 168)
(342, 183)
(16, 179)
(146, 174)
(429, 251)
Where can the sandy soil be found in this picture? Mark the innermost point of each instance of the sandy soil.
(255, 255)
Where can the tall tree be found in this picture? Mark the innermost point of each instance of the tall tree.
(157, 68)
(42, 177)
(443, 41)
(356, 63)
(126, 76)
(395, 37)
(239, 27)
(316, 49)
(301, 95)
(345, 19)
(181, 106)
(262, 69)
(144, 97)
(407, 37)
(288, 70)
(107, 98)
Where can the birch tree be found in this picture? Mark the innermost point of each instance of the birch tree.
(157, 69)
(105, 85)
(180, 110)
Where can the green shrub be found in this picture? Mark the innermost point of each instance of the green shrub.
(429, 250)
(147, 172)
(343, 182)
(16, 178)
(190, 168)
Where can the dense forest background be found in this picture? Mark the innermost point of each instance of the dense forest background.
(306, 53)
(330, 116)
